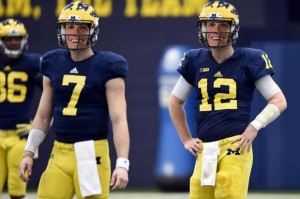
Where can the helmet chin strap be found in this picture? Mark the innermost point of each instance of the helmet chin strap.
(11, 53)
(218, 46)
(87, 45)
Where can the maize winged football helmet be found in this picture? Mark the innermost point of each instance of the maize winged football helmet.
(13, 28)
(218, 11)
(77, 13)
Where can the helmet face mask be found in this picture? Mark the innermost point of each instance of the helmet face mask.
(77, 13)
(13, 38)
(77, 35)
(218, 11)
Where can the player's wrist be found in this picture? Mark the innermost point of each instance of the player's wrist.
(257, 125)
(123, 163)
(185, 140)
(28, 154)
(35, 138)
(266, 116)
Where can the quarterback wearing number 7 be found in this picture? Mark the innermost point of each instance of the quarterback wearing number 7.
(84, 90)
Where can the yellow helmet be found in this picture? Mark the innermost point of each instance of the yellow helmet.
(78, 12)
(13, 28)
(218, 11)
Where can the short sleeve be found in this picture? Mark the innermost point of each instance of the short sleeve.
(260, 66)
(185, 68)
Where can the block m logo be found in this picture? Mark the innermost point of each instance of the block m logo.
(232, 152)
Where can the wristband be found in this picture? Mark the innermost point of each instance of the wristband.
(27, 156)
(123, 162)
(35, 138)
(266, 116)
(257, 125)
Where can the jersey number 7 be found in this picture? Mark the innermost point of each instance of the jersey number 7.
(79, 82)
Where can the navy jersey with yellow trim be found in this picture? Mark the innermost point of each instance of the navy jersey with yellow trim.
(18, 78)
(224, 91)
(80, 104)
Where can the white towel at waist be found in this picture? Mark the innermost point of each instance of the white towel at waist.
(211, 151)
(87, 168)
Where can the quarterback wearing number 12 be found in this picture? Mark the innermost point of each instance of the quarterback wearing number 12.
(225, 79)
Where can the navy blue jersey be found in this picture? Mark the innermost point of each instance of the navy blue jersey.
(80, 104)
(224, 91)
(18, 78)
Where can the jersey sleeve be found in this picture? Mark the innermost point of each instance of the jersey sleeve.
(36, 69)
(45, 69)
(118, 68)
(185, 68)
(260, 66)
(39, 80)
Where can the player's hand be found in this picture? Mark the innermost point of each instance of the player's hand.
(25, 169)
(23, 129)
(246, 139)
(193, 145)
(119, 179)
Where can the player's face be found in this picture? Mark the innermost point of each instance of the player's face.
(77, 35)
(12, 43)
(218, 33)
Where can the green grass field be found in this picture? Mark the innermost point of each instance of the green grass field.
(181, 195)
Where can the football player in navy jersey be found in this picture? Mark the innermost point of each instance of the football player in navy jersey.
(84, 90)
(224, 79)
(19, 75)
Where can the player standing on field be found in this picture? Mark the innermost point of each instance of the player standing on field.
(225, 79)
(19, 74)
(83, 90)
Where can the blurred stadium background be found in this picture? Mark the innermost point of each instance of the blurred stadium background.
(152, 35)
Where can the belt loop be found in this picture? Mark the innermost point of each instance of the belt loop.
(3, 132)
